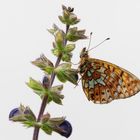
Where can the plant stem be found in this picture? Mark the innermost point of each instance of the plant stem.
(44, 101)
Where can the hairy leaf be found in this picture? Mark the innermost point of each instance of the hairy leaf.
(65, 73)
(55, 94)
(44, 63)
(37, 87)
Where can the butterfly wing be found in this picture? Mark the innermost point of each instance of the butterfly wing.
(103, 81)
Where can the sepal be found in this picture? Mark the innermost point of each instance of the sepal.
(54, 29)
(74, 34)
(67, 57)
(65, 52)
(44, 63)
(37, 87)
(65, 73)
(57, 51)
(22, 114)
(50, 124)
(59, 125)
(54, 94)
(45, 117)
(70, 47)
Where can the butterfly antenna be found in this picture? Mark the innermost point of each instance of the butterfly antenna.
(99, 44)
(89, 40)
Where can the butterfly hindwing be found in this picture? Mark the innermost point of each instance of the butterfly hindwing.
(103, 81)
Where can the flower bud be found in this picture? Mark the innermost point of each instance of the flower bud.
(46, 81)
(68, 18)
(59, 38)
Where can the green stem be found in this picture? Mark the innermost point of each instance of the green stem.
(44, 101)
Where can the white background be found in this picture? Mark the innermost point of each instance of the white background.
(23, 37)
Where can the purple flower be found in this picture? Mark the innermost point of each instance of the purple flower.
(14, 112)
(21, 114)
(66, 129)
(46, 81)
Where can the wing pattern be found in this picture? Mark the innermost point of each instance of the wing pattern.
(103, 81)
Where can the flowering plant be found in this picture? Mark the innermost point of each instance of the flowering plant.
(63, 46)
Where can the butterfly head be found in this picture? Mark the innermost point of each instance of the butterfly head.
(84, 53)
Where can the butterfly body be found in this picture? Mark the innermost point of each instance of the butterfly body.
(103, 82)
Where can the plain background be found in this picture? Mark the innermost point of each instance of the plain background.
(23, 37)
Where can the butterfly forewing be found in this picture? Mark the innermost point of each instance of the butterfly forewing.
(103, 81)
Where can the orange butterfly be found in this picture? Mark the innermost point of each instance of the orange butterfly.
(103, 82)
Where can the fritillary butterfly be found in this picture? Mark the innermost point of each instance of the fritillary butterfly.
(103, 82)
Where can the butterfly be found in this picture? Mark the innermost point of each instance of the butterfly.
(104, 82)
